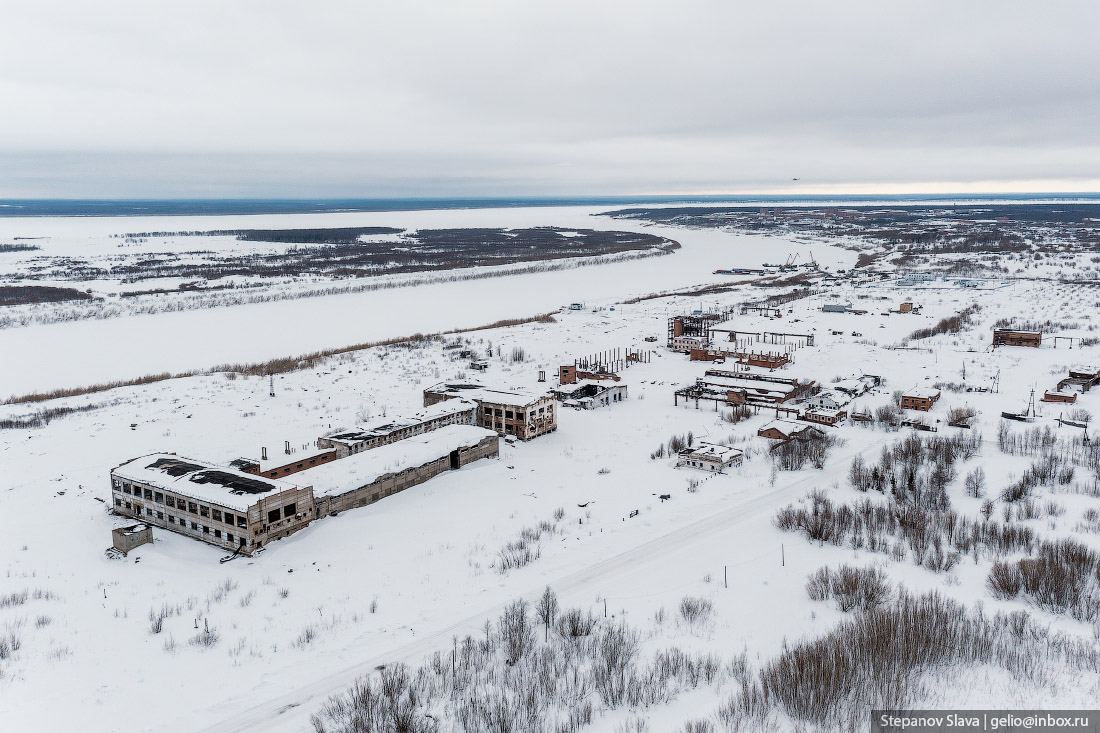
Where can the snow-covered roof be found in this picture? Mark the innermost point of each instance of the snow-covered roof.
(278, 457)
(787, 427)
(927, 393)
(824, 411)
(481, 393)
(712, 451)
(353, 472)
(432, 412)
(749, 384)
(202, 481)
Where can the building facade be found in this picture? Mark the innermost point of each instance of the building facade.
(451, 412)
(920, 398)
(520, 414)
(710, 457)
(222, 506)
(1005, 337)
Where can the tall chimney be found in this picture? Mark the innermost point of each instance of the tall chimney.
(263, 454)
(287, 449)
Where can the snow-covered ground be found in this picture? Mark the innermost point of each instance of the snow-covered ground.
(398, 580)
(90, 352)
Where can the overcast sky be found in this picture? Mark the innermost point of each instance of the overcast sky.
(470, 97)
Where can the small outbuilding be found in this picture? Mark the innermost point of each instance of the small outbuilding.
(125, 539)
(710, 457)
(919, 398)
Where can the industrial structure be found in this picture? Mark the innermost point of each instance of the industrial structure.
(450, 412)
(521, 414)
(242, 512)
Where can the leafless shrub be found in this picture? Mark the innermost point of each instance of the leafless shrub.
(574, 623)
(1004, 580)
(284, 592)
(205, 639)
(820, 585)
(696, 610)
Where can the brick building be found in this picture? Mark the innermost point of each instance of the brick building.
(919, 398)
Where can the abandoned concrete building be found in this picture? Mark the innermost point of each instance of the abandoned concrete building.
(372, 475)
(741, 388)
(709, 457)
(222, 506)
(286, 462)
(243, 513)
(919, 398)
(449, 412)
(588, 395)
(521, 414)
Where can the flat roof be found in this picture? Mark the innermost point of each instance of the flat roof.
(925, 392)
(202, 481)
(481, 393)
(749, 384)
(278, 457)
(786, 426)
(356, 471)
(439, 409)
(713, 450)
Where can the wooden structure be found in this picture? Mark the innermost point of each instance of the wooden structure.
(1080, 378)
(1006, 337)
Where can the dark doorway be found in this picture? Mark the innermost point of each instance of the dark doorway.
(454, 460)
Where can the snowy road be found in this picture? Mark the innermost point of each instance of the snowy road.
(291, 711)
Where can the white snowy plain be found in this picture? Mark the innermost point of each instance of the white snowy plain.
(397, 580)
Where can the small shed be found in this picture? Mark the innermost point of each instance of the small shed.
(125, 539)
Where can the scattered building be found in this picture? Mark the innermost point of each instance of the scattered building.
(738, 388)
(691, 332)
(1005, 337)
(825, 416)
(906, 307)
(1069, 397)
(828, 399)
(770, 360)
(125, 539)
(588, 395)
(836, 307)
(449, 412)
(571, 374)
(1081, 378)
(920, 398)
(783, 429)
(521, 414)
(710, 457)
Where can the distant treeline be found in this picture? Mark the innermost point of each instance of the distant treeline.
(18, 247)
(339, 252)
(24, 294)
(338, 235)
